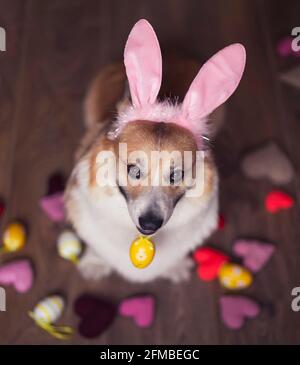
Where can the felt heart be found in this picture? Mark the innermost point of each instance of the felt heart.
(221, 223)
(236, 309)
(53, 206)
(96, 315)
(269, 162)
(19, 274)
(56, 183)
(2, 208)
(255, 254)
(284, 47)
(141, 309)
(210, 261)
(277, 200)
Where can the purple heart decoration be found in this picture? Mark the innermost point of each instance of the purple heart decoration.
(236, 309)
(255, 254)
(56, 183)
(96, 315)
(53, 206)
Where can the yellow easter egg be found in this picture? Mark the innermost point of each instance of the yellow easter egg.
(14, 237)
(233, 276)
(49, 309)
(69, 246)
(142, 252)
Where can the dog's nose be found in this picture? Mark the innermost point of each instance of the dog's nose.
(150, 223)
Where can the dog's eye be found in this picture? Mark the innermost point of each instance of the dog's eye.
(176, 176)
(134, 171)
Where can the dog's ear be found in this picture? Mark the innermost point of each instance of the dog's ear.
(142, 58)
(215, 82)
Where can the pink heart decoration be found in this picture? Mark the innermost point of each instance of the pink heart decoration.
(19, 274)
(141, 309)
(284, 47)
(236, 309)
(255, 254)
(53, 206)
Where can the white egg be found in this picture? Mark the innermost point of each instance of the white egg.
(69, 245)
(49, 309)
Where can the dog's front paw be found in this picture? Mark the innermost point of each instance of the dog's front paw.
(180, 272)
(93, 267)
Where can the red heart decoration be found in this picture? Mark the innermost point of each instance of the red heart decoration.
(221, 223)
(277, 200)
(209, 262)
(96, 315)
(2, 208)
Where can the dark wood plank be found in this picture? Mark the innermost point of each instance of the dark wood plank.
(12, 19)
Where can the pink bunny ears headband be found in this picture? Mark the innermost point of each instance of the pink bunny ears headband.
(215, 82)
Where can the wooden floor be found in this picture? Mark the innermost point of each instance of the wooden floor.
(54, 48)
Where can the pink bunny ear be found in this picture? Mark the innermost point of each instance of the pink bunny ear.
(215, 82)
(142, 58)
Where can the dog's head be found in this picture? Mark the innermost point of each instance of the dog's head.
(163, 140)
(154, 172)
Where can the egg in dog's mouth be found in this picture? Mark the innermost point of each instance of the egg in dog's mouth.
(142, 251)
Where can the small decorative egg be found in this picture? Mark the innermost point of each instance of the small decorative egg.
(69, 246)
(233, 276)
(46, 312)
(49, 309)
(14, 237)
(142, 252)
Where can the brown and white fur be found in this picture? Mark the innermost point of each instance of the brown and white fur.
(108, 218)
(101, 216)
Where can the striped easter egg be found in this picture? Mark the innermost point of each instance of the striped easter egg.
(49, 309)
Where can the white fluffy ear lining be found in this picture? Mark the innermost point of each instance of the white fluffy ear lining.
(216, 81)
(142, 58)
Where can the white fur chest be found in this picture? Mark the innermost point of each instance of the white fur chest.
(103, 222)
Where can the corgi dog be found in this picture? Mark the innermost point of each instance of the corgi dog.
(142, 197)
